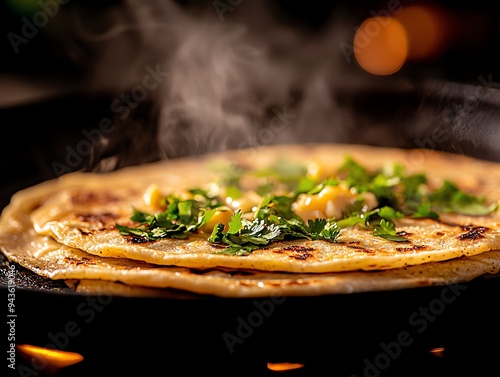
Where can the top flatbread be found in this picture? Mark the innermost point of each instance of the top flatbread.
(82, 209)
(90, 274)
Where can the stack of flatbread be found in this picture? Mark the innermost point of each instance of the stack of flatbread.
(77, 228)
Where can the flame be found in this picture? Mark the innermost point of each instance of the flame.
(381, 45)
(54, 358)
(280, 367)
(438, 351)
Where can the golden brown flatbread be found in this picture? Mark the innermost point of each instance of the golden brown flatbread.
(67, 229)
(84, 216)
(90, 274)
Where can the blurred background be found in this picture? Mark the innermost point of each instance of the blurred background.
(97, 85)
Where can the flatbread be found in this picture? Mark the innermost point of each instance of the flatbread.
(90, 274)
(39, 231)
(84, 215)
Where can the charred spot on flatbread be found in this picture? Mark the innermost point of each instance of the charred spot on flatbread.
(473, 233)
(297, 252)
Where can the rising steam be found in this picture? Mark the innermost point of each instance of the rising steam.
(244, 79)
(225, 82)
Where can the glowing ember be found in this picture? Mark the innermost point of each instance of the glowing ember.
(54, 358)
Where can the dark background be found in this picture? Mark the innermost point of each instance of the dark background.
(63, 80)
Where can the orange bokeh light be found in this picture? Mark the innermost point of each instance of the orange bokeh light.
(426, 28)
(381, 45)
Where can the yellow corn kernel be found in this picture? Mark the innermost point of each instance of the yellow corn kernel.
(222, 215)
(153, 197)
(318, 172)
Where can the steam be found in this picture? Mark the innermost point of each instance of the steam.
(243, 78)
(212, 99)
(226, 80)
(458, 118)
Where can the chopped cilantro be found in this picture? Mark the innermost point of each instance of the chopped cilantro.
(398, 194)
(245, 236)
(449, 198)
(385, 229)
(179, 220)
(353, 173)
(424, 210)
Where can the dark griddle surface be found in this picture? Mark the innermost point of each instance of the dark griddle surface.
(26, 279)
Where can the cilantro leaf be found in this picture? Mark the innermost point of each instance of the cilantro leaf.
(389, 213)
(322, 229)
(245, 236)
(424, 210)
(235, 223)
(179, 220)
(386, 229)
(354, 173)
(449, 198)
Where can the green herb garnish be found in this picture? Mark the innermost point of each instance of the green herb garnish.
(179, 220)
(397, 195)
(245, 236)
(449, 198)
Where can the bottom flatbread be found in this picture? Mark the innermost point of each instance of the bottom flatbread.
(44, 256)
(110, 288)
